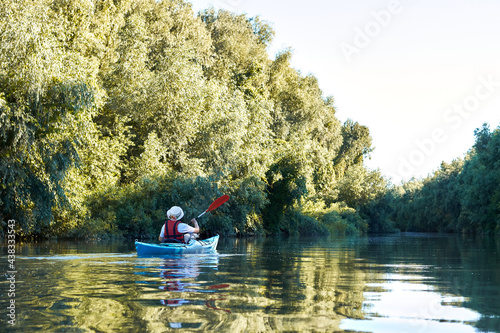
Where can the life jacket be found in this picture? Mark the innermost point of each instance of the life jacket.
(171, 231)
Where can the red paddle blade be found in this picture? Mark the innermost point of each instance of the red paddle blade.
(218, 202)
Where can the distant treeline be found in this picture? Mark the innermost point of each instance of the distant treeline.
(463, 196)
(113, 111)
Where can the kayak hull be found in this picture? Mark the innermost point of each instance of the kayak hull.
(195, 246)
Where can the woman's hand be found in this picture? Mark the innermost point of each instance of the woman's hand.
(196, 226)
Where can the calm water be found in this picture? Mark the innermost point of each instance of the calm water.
(396, 283)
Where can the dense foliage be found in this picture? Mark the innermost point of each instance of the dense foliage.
(463, 196)
(114, 110)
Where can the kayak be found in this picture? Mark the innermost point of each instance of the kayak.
(194, 246)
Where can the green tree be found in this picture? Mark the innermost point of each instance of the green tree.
(480, 182)
(47, 95)
(360, 186)
(286, 187)
(239, 50)
(356, 145)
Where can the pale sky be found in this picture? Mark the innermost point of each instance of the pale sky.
(421, 74)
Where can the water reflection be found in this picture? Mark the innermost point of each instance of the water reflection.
(407, 301)
(427, 285)
(177, 273)
(180, 276)
(400, 283)
(185, 285)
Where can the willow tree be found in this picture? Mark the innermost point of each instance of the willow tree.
(156, 80)
(47, 95)
(304, 121)
(240, 66)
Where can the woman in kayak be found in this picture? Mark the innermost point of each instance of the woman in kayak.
(176, 231)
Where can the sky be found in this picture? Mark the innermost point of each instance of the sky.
(422, 75)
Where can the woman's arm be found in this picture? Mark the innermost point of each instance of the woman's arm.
(162, 232)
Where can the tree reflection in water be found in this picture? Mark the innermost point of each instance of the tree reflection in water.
(180, 275)
(376, 284)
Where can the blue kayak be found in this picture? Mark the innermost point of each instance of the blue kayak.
(194, 246)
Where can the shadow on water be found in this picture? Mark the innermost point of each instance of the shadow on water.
(385, 283)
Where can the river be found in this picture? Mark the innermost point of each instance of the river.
(387, 283)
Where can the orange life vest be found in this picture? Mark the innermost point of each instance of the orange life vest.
(171, 231)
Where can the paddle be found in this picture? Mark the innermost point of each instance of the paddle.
(218, 202)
